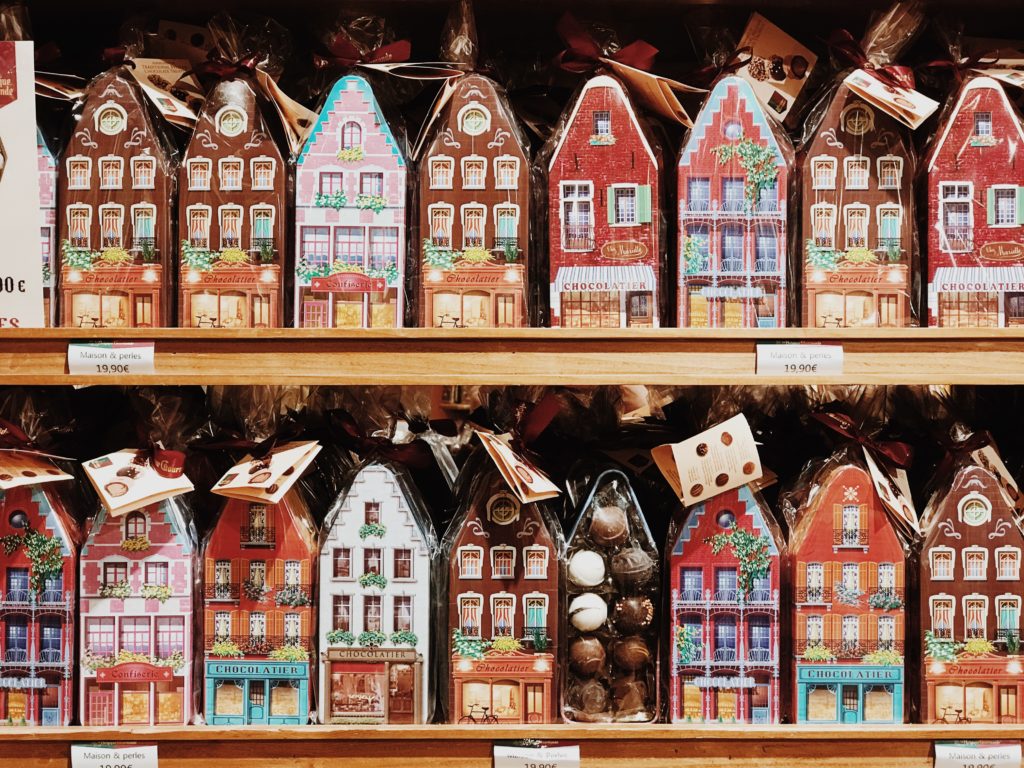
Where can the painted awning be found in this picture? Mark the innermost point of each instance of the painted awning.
(636, 277)
(997, 279)
(732, 292)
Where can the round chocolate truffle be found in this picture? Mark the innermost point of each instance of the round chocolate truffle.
(629, 695)
(631, 653)
(586, 568)
(632, 568)
(586, 655)
(589, 696)
(633, 614)
(609, 526)
(588, 611)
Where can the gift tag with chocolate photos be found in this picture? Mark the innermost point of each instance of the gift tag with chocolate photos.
(521, 476)
(909, 107)
(778, 68)
(894, 493)
(19, 468)
(268, 478)
(130, 479)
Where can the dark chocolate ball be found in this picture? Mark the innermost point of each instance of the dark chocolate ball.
(631, 653)
(589, 696)
(629, 695)
(632, 568)
(609, 526)
(633, 614)
(586, 655)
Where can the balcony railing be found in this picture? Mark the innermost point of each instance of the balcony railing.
(16, 655)
(692, 595)
(144, 244)
(258, 644)
(50, 656)
(975, 633)
(849, 537)
(472, 241)
(733, 206)
(766, 265)
(767, 206)
(725, 654)
(257, 536)
(51, 597)
(442, 241)
(759, 655)
(221, 591)
(725, 596)
(503, 243)
(263, 245)
(578, 237)
(857, 648)
(732, 265)
(814, 595)
(959, 238)
(885, 243)
(759, 596)
(943, 633)
(698, 204)
(1007, 634)
(17, 596)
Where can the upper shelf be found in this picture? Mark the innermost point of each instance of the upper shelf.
(524, 356)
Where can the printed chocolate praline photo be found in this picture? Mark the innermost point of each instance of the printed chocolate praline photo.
(629, 695)
(589, 696)
(631, 653)
(587, 655)
(609, 526)
(633, 614)
(632, 568)
(588, 611)
(586, 568)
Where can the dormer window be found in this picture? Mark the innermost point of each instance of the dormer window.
(351, 135)
(982, 123)
(474, 119)
(602, 123)
(857, 119)
(135, 526)
(230, 122)
(733, 130)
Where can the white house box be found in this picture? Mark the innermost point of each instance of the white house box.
(375, 596)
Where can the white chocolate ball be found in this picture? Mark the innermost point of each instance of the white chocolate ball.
(586, 568)
(588, 611)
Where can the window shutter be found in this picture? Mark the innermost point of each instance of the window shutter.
(275, 622)
(869, 632)
(801, 633)
(243, 623)
(208, 570)
(862, 577)
(208, 628)
(863, 518)
(236, 627)
(304, 627)
(643, 204)
(277, 579)
(899, 576)
(801, 575)
(899, 630)
(991, 206)
(837, 518)
(864, 629)
(1020, 205)
(610, 201)
(833, 628)
(872, 577)
(304, 573)
(236, 570)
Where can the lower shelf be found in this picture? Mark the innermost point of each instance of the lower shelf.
(654, 746)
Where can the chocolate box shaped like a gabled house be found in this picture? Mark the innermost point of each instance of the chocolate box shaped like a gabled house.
(604, 177)
(970, 603)
(350, 215)
(376, 589)
(733, 192)
(976, 212)
(231, 216)
(136, 607)
(724, 636)
(474, 212)
(38, 562)
(258, 574)
(847, 569)
(47, 169)
(503, 608)
(115, 194)
(858, 218)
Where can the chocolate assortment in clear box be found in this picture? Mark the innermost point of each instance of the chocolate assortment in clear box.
(613, 587)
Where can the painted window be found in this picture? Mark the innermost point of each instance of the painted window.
(134, 525)
(975, 563)
(99, 635)
(766, 249)
(230, 174)
(470, 562)
(331, 182)
(199, 226)
(292, 573)
(143, 172)
(851, 524)
(372, 613)
(823, 217)
(441, 225)
(942, 564)
(342, 563)
(157, 574)
(1004, 203)
(823, 172)
(536, 562)
(170, 636)
(383, 247)
(341, 612)
(503, 611)
(700, 236)
(889, 235)
(956, 217)
(887, 577)
(503, 562)
(1008, 617)
(890, 172)
(1007, 564)
(725, 638)
(975, 615)
(222, 572)
(851, 633)
(79, 172)
(759, 638)
(258, 625)
(982, 123)
(144, 227)
(733, 130)
(577, 199)
(111, 119)
(351, 135)
(230, 226)
(114, 573)
(222, 625)
(624, 201)
(230, 122)
(112, 225)
(403, 563)
(506, 222)
(732, 248)
(373, 561)
(851, 577)
(371, 512)
(535, 610)
(974, 509)
(199, 171)
(725, 585)
(473, 226)
(135, 635)
(371, 183)
(733, 194)
(857, 169)
(262, 227)
(470, 610)
(506, 172)
(315, 245)
(857, 119)
(292, 623)
(474, 119)
(258, 573)
(815, 582)
(698, 197)
(602, 123)
(887, 633)
(262, 173)
(403, 613)
(474, 172)
(815, 630)
(441, 171)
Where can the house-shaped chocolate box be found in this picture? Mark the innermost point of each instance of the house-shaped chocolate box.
(474, 212)
(970, 602)
(115, 195)
(613, 592)
(604, 235)
(350, 215)
(376, 589)
(503, 609)
(258, 574)
(231, 216)
(847, 570)
(47, 169)
(858, 241)
(724, 561)
(976, 212)
(733, 189)
(37, 607)
(136, 604)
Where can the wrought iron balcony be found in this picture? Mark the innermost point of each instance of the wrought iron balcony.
(50, 656)
(726, 596)
(856, 648)
(885, 243)
(501, 243)
(766, 265)
(733, 206)
(734, 264)
(263, 245)
(442, 241)
(217, 591)
(16, 655)
(51, 597)
(257, 644)
(17, 596)
(472, 241)
(725, 654)
(578, 237)
(814, 595)
(144, 244)
(942, 633)
(767, 206)
(849, 537)
(698, 204)
(759, 655)
(759, 596)
(691, 596)
(1007, 634)
(257, 536)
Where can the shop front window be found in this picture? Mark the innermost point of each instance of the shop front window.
(969, 310)
(591, 309)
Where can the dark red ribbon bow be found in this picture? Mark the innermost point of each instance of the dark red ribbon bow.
(583, 54)
(228, 439)
(897, 453)
(960, 68)
(219, 67)
(116, 56)
(415, 454)
(736, 61)
(848, 50)
(13, 437)
(342, 52)
(165, 462)
(532, 420)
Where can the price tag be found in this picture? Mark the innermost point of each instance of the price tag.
(111, 756)
(110, 358)
(799, 359)
(567, 756)
(977, 754)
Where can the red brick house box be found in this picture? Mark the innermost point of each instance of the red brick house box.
(976, 212)
(604, 177)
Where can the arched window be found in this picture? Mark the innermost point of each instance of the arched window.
(351, 135)
(135, 525)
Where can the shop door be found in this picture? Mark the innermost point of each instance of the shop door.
(851, 704)
(101, 708)
(17, 706)
(534, 703)
(639, 310)
(257, 701)
(1007, 705)
(400, 694)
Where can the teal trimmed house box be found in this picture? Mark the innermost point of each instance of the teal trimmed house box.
(257, 682)
(853, 689)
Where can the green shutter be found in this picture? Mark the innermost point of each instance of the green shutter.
(610, 200)
(991, 206)
(1020, 205)
(643, 204)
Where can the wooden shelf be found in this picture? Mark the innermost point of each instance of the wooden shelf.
(656, 746)
(526, 356)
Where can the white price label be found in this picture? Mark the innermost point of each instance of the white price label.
(109, 756)
(977, 754)
(536, 757)
(110, 358)
(799, 359)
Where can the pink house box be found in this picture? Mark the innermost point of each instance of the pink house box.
(350, 192)
(136, 606)
(47, 169)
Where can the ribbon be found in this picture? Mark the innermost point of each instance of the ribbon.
(960, 67)
(416, 454)
(166, 463)
(117, 56)
(848, 50)
(13, 437)
(532, 420)
(736, 61)
(897, 453)
(219, 67)
(342, 52)
(584, 54)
